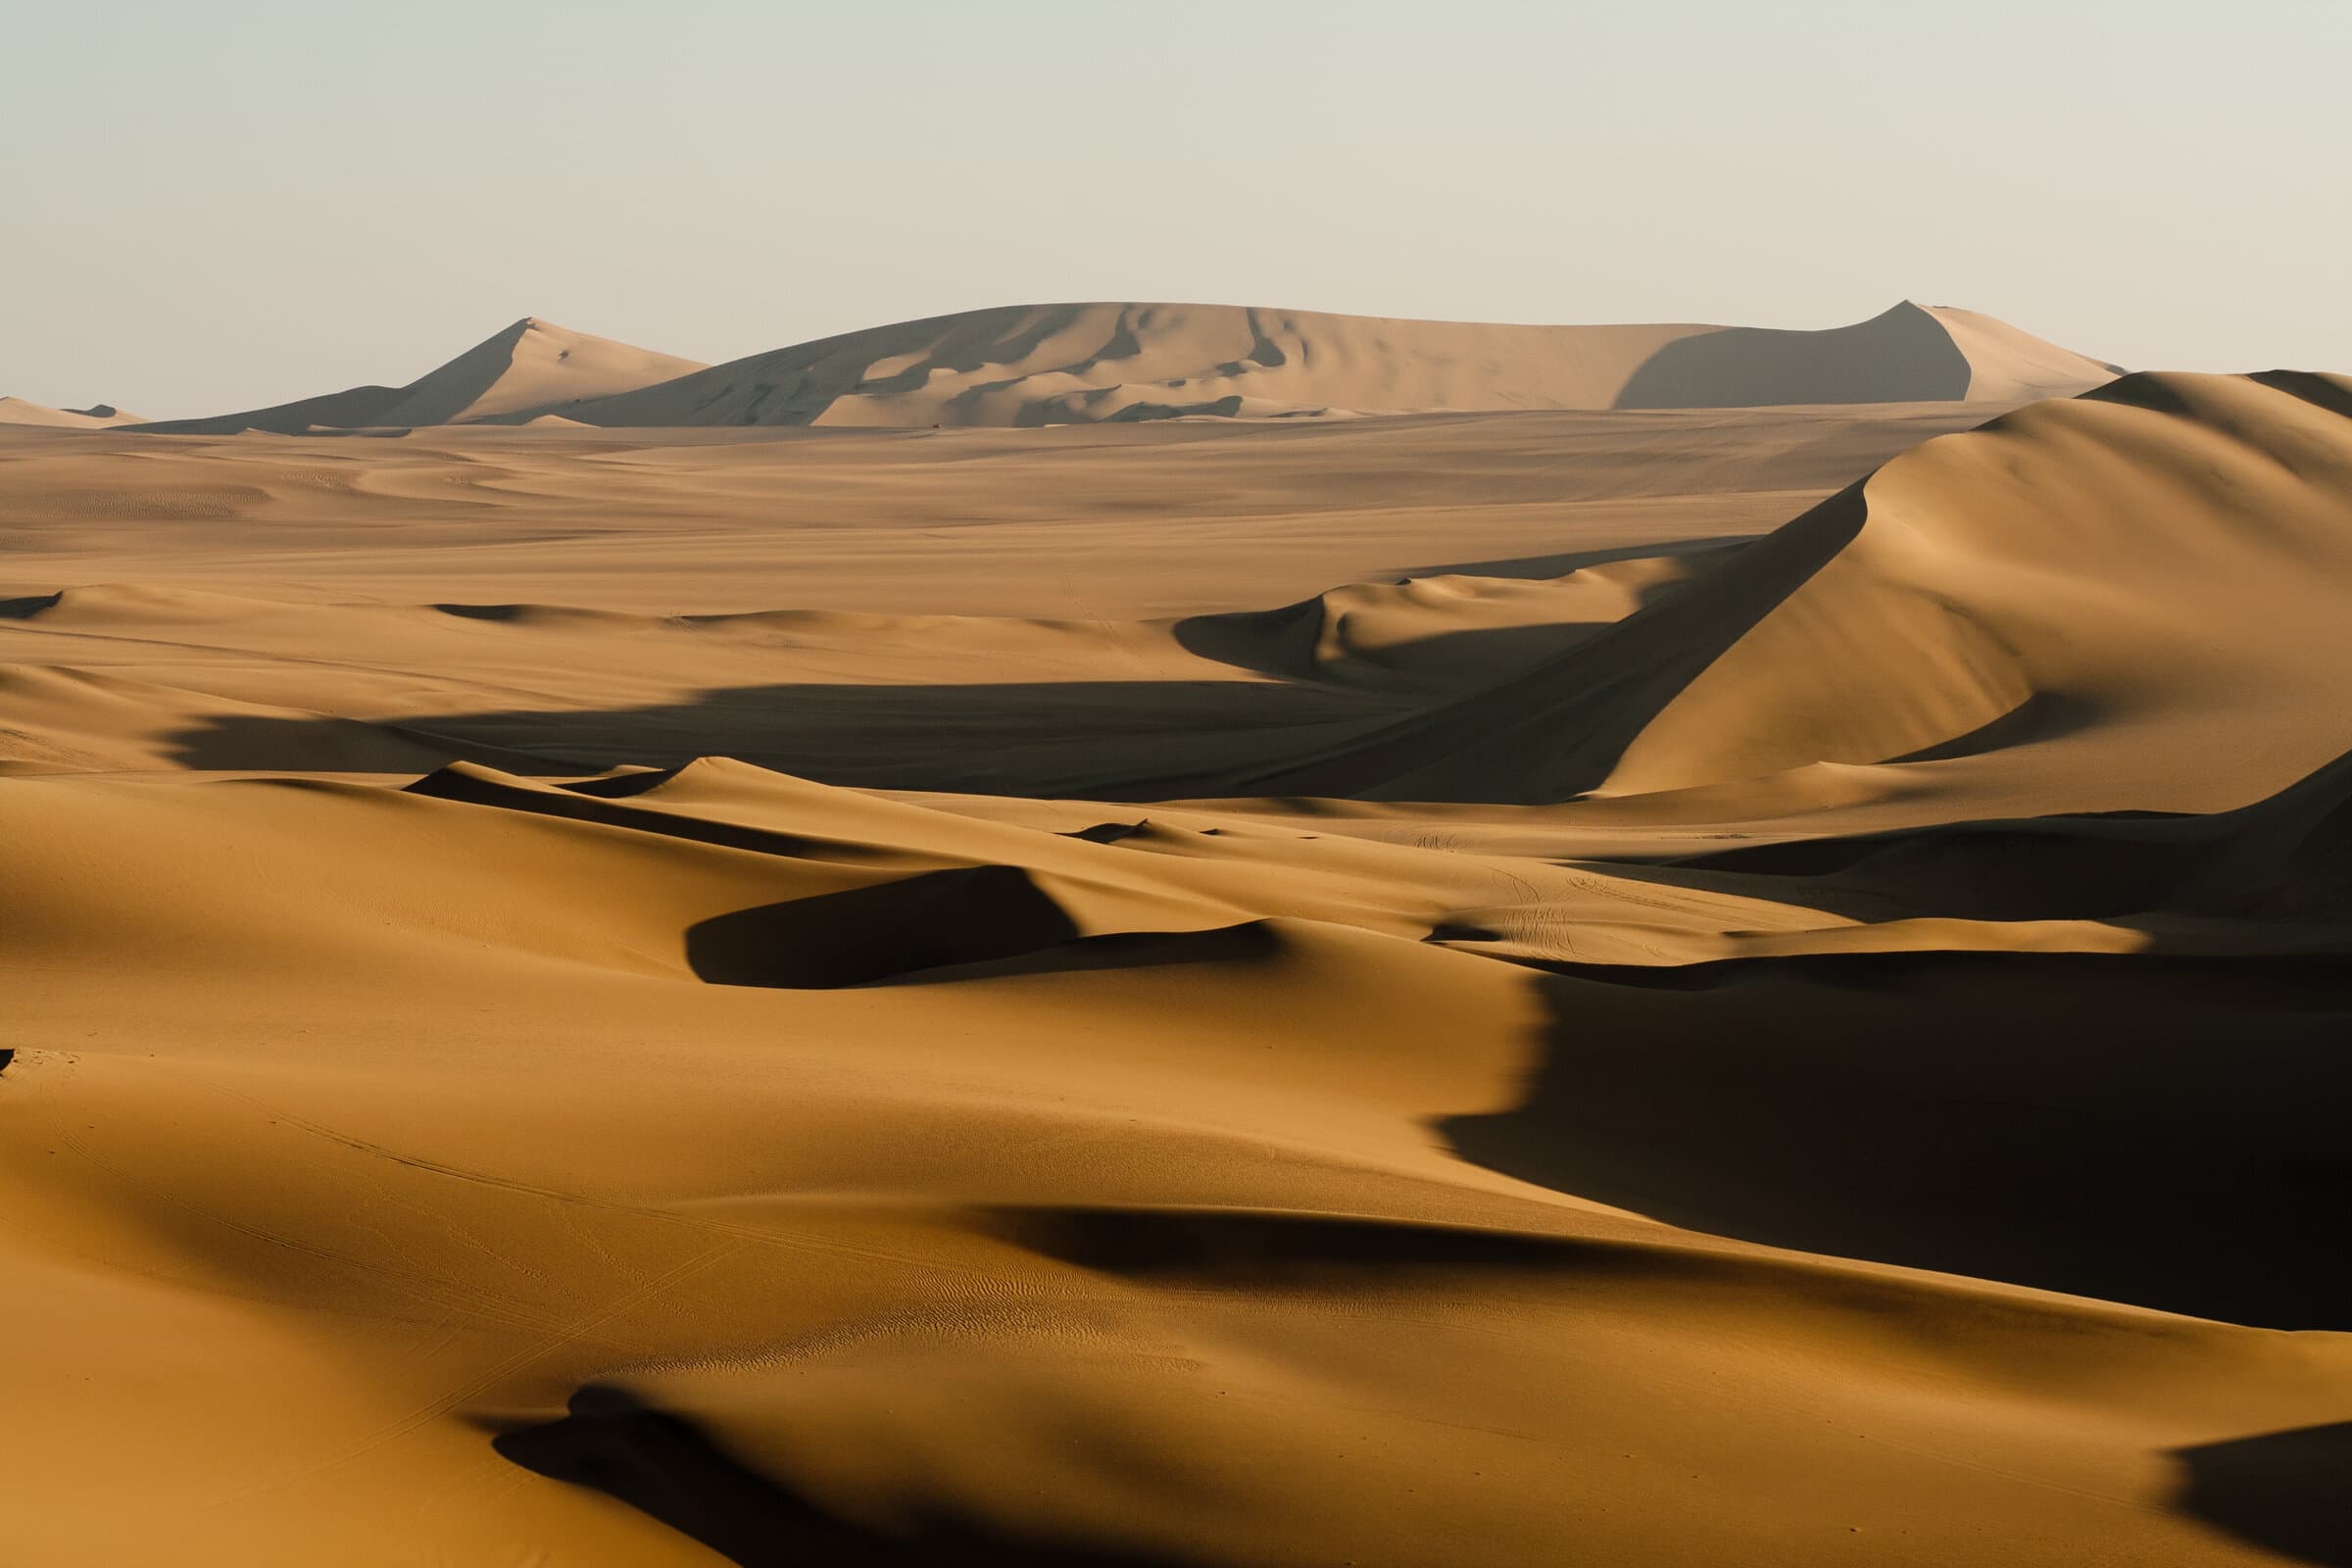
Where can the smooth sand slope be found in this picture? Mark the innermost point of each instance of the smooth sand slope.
(1038, 364)
(1616, 987)
(99, 416)
(530, 370)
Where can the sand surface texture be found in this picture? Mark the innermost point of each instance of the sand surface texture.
(1599, 984)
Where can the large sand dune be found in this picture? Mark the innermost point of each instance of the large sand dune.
(532, 368)
(1676, 987)
(1079, 363)
(1036, 364)
(99, 416)
(2008, 605)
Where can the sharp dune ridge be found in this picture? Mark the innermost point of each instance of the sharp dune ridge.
(530, 370)
(1667, 985)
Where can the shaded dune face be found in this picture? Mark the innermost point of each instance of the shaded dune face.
(2065, 1122)
(1990, 596)
(665, 1467)
(2053, 552)
(1905, 355)
(2276, 1491)
(879, 933)
(1659, 1041)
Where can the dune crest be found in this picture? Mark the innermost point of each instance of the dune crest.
(98, 416)
(1999, 609)
(523, 372)
(1083, 363)
(1087, 364)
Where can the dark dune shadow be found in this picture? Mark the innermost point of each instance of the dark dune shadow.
(667, 1468)
(263, 743)
(1903, 356)
(2286, 1491)
(2034, 869)
(1250, 942)
(2319, 391)
(2142, 392)
(1278, 642)
(601, 801)
(1105, 832)
(970, 915)
(2158, 1130)
(1509, 714)
(623, 786)
(354, 405)
(1102, 739)
(1237, 1248)
(794, 385)
(2286, 855)
(2041, 716)
(1555, 729)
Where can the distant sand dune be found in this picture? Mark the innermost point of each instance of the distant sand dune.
(16, 410)
(528, 370)
(1036, 364)
(1077, 363)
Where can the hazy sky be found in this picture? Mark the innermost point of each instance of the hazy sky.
(207, 205)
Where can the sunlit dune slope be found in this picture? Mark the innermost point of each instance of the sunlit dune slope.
(530, 368)
(2136, 592)
(668, 1162)
(16, 410)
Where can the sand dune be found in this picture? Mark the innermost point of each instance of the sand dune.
(969, 608)
(1037, 365)
(1082, 363)
(99, 416)
(1674, 986)
(527, 370)
(752, 1176)
(1999, 610)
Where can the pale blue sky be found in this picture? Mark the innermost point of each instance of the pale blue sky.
(211, 206)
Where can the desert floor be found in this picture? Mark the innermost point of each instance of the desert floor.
(1543, 988)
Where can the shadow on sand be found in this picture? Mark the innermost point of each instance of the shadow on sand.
(2109, 1126)
(932, 920)
(2288, 1492)
(664, 1466)
(1100, 739)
